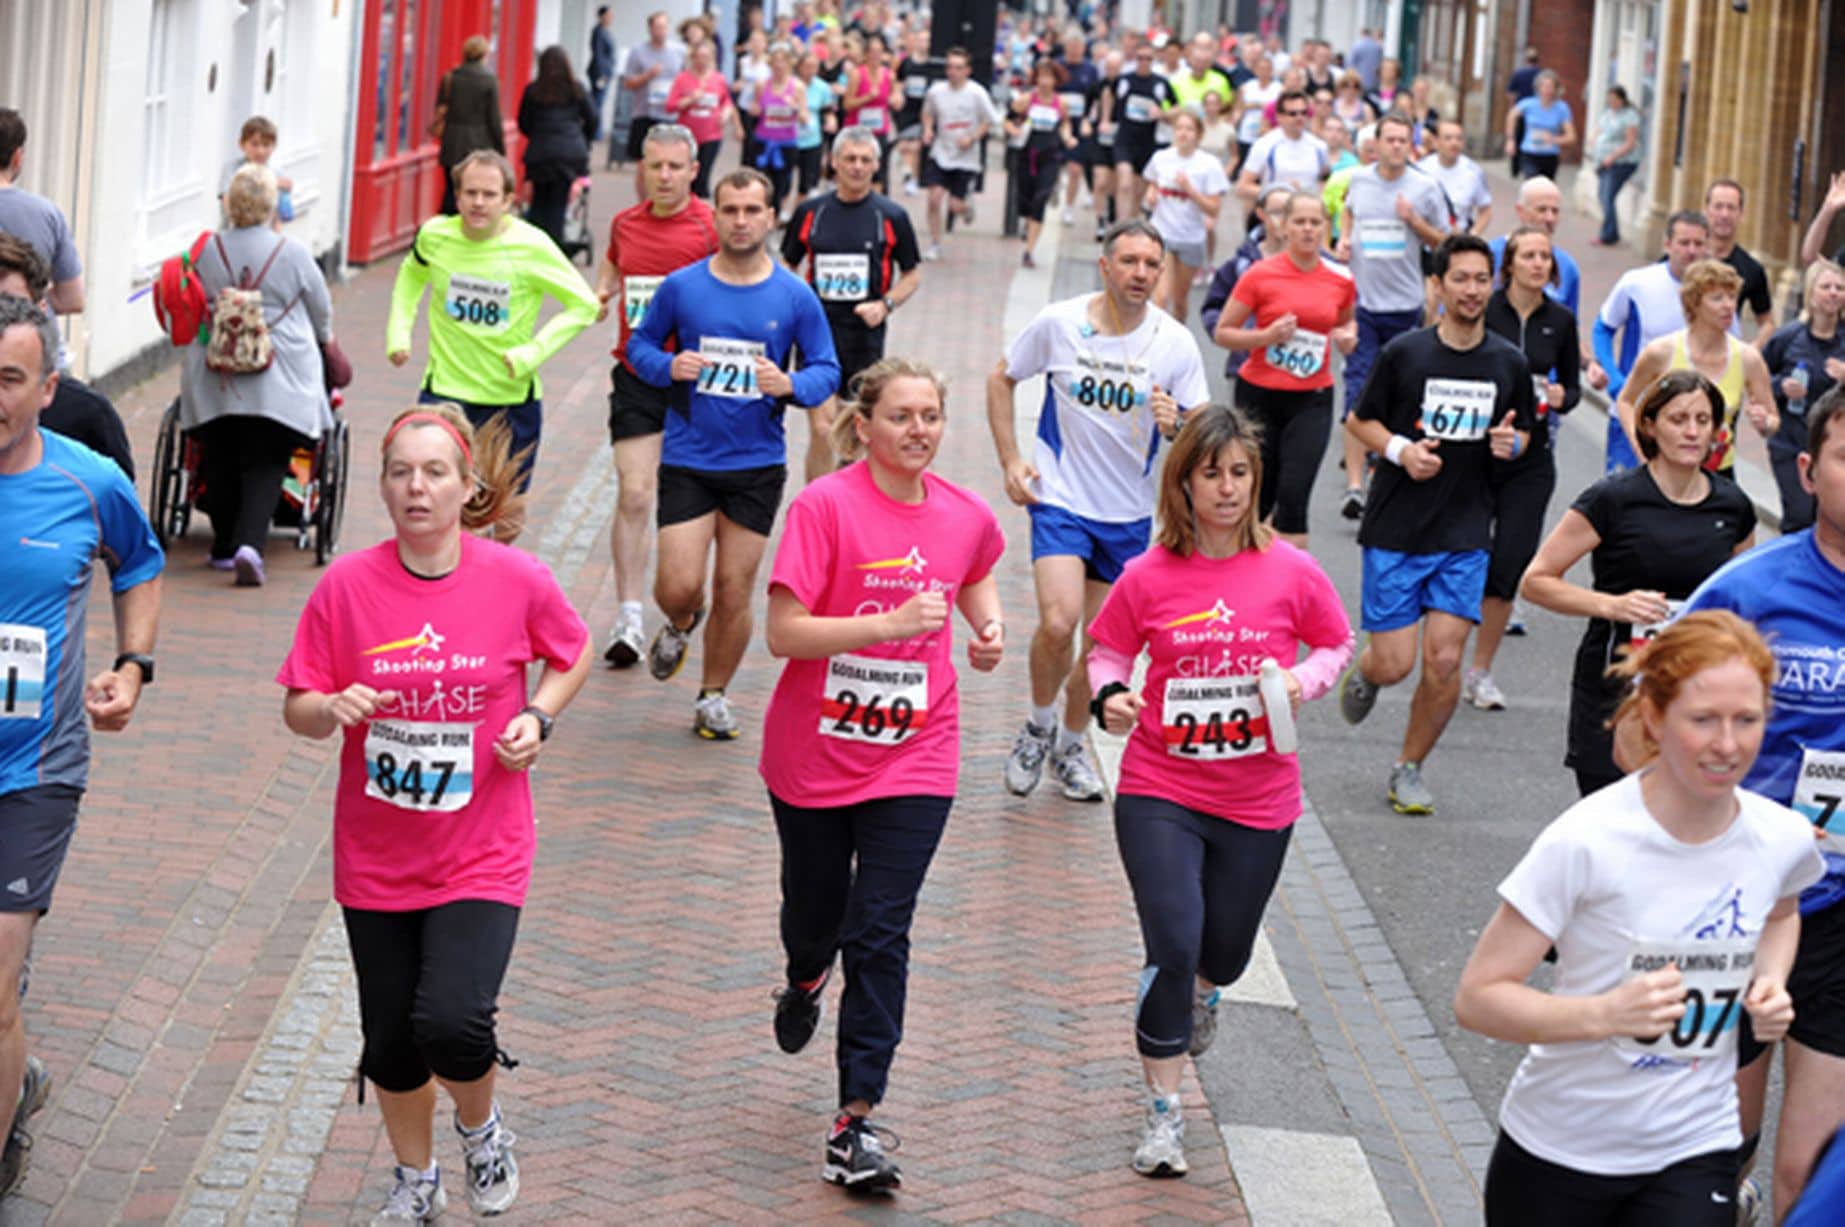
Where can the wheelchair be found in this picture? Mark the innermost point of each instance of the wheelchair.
(579, 243)
(313, 500)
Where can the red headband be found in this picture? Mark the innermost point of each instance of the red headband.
(433, 419)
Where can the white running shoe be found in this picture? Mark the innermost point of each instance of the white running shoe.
(1069, 217)
(933, 253)
(1162, 1146)
(412, 1200)
(1479, 689)
(1073, 772)
(493, 1174)
(1025, 765)
(627, 640)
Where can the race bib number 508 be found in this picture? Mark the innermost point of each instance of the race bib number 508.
(479, 303)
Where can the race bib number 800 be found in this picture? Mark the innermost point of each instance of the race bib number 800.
(22, 671)
(730, 368)
(866, 699)
(1214, 718)
(418, 765)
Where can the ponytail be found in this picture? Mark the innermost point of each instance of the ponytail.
(496, 505)
(862, 397)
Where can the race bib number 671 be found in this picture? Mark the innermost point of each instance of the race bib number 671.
(1457, 410)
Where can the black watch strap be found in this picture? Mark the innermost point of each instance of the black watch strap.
(1102, 697)
(142, 661)
(545, 720)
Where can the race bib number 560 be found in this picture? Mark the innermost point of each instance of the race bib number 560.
(418, 765)
(866, 699)
(22, 671)
(1213, 718)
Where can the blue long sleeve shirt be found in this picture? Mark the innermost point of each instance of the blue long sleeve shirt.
(722, 422)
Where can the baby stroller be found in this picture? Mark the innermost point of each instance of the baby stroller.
(578, 245)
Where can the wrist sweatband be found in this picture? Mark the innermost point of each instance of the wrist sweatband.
(1393, 450)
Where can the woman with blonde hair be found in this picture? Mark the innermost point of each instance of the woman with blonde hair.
(1805, 359)
(1210, 784)
(415, 651)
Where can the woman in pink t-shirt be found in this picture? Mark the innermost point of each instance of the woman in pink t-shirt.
(1206, 800)
(861, 743)
(415, 652)
(700, 99)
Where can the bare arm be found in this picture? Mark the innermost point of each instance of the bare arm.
(1020, 473)
(111, 696)
(67, 297)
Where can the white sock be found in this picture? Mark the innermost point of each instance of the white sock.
(1067, 739)
(1164, 1101)
(631, 609)
(431, 1174)
(1043, 717)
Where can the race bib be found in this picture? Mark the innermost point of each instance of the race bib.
(636, 293)
(1141, 109)
(1043, 118)
(778, 114)
(1301, 355)
(1383, 238)
(1645, 632)
(730, 367)
(658, 90)
(915, 87)
(22, 671)
(1716, 975)
(1105, 136)
(872, 118)
(418, 765)
(1540, 392)
(866, 699)
(479, 303)
(1111, 387)
(842, 277)
(1820, 789)
(1213, 718)
(1073, 104)
(1457, 410)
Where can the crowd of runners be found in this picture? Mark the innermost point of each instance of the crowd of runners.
(1693, 900)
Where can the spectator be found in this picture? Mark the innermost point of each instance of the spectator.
(1814, 243)
(559, 123)
(467, 113)
(249, 425)
(256, 143)
(36, 220)
(1806, 359)
(1366, 58)
(601, 61)
(1617, 157)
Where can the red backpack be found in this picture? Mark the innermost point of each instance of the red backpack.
(179, 296)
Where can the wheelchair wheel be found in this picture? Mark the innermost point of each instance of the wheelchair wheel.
(170, 480)
(330, 509)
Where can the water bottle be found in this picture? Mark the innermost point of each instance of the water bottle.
(1282, 735)
(1797, 405)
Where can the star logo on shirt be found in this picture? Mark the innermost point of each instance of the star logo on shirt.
(426, 640)
(1217, 613)
(912, 563)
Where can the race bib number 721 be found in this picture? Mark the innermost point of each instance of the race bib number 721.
(420, 765)
(730, 367)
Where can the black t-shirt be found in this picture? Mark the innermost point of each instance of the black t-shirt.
(1420, 388)
(865, 238)
(1647, 541)
(1133, 85)
(913, 80)
(77, 411)
(1549, 342)
(1755, 293)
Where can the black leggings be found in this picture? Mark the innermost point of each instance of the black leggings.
(707, 158)
(1200, 885)
(550, 200)
(1523, 1190)
(808, 161)
(1520, 499)
(243, 460)
(1544, 164)
(1295, 428)
(429, 982)
(1037, 182)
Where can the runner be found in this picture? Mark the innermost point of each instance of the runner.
(1793, 591)
(1185, 189)
(1101, 132)
(62, 507)
(1544, 329)
(669, 230)
(914, 76)
(1041, 121)
(1288, 311)
(1210, 785)
(1643, 306)
(865, 103)
(700, 100)
(873, 561)
(778, 109)
(957, 114)
(1805, 358)
(490, 271)
(1460, 177)
(852, 240)
(1392, 212)
(1268, 238)
(1708, 296)
(735, 318)
(1083, 77)
(1670, 900)
(1137, 107)
(1444, 405)
(1118, 373)
(433, 832)
(1652, 535)
(1288, 154)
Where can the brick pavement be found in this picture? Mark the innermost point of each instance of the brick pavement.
(195, 903)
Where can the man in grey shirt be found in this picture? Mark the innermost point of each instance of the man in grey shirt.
(648, 78)
(36, 220)
(1393, 210)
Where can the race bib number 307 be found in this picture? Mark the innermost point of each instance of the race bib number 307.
(1213, 718)
(1457, 410)
(730, 368)
(479, 303)
(1716, 975)
(418, 765)
(22, 671)
(866, 699)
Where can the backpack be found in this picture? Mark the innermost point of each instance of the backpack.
(239, 343)
(179, 298)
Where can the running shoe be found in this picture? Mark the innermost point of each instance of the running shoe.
(1479, 689)
(1353, 508)
(1516, 626)
(1101, 228)
(967, 214)
(910, 186)
(1069, 217)
(412, 1200)
(667, 652)
(1025, 765)
(712, 718)
(1357, 694)
(1751, 1206)
(249, 567)
(626, 641)
(1408, 794)
(1162, 1146)
(34, 1090)
(493, 1174)
(856, 1158)
(797, 1015)
(933, 253)
(1079, 780)
(1025, 261)
(1204, 1018)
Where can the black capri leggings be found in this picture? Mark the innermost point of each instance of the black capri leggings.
(1523, 1190)
(429, 982)
(707, 158)
(1037, 182)
(807, 161)
(1520, 499)
(1295, 427)
(1200, 885)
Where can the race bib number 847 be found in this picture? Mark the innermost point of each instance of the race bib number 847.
(420, 765)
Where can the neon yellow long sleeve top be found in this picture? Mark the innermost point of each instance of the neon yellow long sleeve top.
(484, 308)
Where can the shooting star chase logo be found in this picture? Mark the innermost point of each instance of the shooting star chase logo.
(1217, 613)
(912, 563)
(426, 640)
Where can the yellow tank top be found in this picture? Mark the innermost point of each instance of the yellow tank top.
(1731, 386)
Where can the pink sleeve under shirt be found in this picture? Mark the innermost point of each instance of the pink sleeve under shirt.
(1316, 674)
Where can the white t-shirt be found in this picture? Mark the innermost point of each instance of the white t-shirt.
(1254, 96)
(751, 73)
(1176, 217)
(1096, 437)
(1465, 184)
(1300, 164)
(958, 113)
(1646, 300)
(1611, 888)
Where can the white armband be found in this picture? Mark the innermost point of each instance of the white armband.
(1393, 450)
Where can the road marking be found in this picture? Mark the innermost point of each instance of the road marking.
(1291, 1179)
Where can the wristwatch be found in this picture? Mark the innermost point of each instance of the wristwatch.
(889, 306)
(145, 663)
(545, 720)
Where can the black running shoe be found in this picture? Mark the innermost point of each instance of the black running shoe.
(797, 1015)
(856, 1158)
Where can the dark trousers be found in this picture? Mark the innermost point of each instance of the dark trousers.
(1544, 164)
(850, 877)
(1523, 1190)
(550, 198)
(1296, 427)
(1798, 508)
(524, 421)
(243, 461)
(707, 158)
(1610, 181)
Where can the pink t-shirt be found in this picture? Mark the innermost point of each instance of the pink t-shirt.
(424, 814)
(882, 721)
(1207, 623)
(705, 100)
